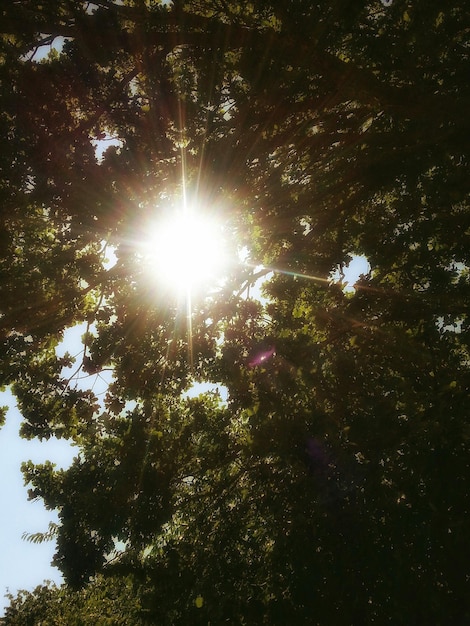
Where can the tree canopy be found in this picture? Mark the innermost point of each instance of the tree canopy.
(331, 486)
(108, 602)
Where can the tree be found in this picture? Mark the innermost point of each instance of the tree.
(103, 603)
(332, 485)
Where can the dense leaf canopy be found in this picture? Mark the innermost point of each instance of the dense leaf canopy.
(331, 487)
(108, 602)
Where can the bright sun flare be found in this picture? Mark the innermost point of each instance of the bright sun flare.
(186, 252)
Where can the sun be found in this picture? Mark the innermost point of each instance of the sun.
(186, 252)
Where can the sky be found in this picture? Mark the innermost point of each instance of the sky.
(24, 565)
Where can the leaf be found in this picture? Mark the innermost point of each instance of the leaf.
(3, 413)
(38, 537)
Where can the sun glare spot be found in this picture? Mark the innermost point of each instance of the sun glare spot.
(186, 252)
